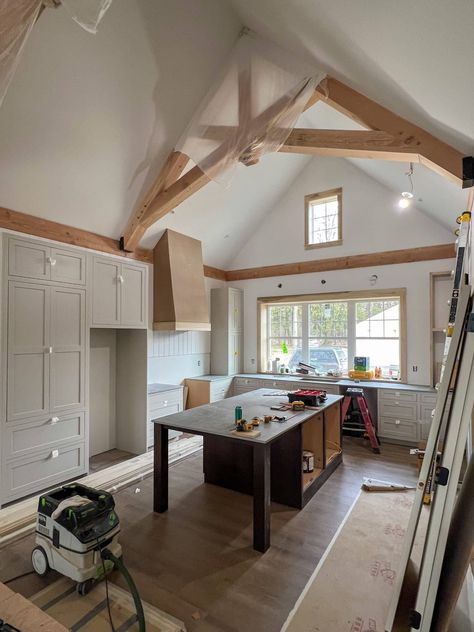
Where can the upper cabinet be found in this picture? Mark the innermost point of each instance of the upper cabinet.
(227, 330)
(35, 260)
(119, 293)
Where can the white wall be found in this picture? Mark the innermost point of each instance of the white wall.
(175, 355)
(372, 220)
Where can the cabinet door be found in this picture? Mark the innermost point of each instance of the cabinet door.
(28, 350)
(28, 259)
(68, 266)
(68, 349)
(235, 310)
(105, 292)
(133, 293)
(235, 354)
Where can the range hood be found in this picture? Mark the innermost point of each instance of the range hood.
(179, 294)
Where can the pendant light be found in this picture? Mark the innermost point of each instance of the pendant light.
(407, 196)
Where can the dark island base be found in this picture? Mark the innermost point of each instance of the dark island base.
(230, 465)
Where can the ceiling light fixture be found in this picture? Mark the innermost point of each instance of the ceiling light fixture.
(407, 196)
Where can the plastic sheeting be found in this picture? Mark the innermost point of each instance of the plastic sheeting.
(17, 18)
(87, 13)
(251, 109)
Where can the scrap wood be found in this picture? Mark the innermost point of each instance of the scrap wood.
(375, 485)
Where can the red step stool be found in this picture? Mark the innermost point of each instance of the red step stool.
(357, 394)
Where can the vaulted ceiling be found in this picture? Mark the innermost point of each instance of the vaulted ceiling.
(89, 119)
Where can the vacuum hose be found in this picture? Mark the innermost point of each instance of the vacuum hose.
(107, 555)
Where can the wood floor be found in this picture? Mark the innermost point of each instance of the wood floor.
(196, 561)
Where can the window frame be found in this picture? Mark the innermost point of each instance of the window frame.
(397, 293)
(319, 197)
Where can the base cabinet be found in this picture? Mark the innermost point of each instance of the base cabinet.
(160, 405)
(202, 391)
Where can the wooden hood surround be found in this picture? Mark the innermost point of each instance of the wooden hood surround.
(179, 294)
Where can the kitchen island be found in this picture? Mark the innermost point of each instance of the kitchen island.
(268, 466)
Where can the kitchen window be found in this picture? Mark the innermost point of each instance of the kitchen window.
(327, 331)
(323, 219)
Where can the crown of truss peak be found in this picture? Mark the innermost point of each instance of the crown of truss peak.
(387, 137)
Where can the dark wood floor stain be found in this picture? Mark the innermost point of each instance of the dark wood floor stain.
(196, 561)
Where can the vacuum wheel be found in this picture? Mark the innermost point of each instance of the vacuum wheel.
(39, 560)
(83, 588)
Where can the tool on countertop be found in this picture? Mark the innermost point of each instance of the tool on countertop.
(309, 397)
(297, 405)
(354, 407)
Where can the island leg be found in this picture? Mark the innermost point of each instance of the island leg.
(160, 469)
(261, 497)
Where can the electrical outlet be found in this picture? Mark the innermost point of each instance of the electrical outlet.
(252, 360)
(199, 362)
(415, 368)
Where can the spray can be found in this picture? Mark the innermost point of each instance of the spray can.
(238, 413)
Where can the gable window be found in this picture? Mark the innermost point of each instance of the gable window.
(323, 219)
(327, 331)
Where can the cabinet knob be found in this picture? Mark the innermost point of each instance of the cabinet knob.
(51, 261)
(397, 422)
(54, 420)
(433, 412)
(54, 454)
(49, 350)
(120, 278)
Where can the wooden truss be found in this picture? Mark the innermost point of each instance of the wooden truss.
(387, 137)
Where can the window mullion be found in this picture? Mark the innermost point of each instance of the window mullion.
(351, 334)
(305, 333)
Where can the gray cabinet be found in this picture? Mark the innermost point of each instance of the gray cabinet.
(119, 292)
(405, 416)
(226, 331)
(46, 347)
(29, 350)
(160, 405)
(35, 260)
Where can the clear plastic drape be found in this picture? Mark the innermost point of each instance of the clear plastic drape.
(87, 13)
(17, 18)
(251, 109)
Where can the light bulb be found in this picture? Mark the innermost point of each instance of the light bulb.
(405, 200)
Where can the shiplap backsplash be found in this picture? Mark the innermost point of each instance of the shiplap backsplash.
(175, 355)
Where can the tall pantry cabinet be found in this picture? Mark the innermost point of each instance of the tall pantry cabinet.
(45, 330)
(226, 330)
(43, 437)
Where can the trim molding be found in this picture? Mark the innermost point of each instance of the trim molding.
(388, 257)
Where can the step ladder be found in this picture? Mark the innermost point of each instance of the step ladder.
(357, 395)
(456, 369)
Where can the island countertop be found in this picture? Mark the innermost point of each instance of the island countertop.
(218, 418)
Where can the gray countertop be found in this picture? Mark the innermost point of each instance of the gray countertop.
(341, 382)
(210, 378)
(162, 388)
(218, 418)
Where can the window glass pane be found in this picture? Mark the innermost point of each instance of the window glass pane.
(288, 350)
(285, 321)
(392, 329)
(328, 355)
(323, 220)
(382, 353)
(328, 320)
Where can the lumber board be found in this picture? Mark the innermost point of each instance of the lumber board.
(389, 257)
(18, 520)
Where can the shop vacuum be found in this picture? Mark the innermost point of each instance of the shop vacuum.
(77, 532)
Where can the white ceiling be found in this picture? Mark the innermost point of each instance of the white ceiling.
(88, 120)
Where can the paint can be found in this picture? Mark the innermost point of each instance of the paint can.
(308, 461)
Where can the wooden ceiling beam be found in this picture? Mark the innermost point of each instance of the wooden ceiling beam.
(434, 153)
(169, 173)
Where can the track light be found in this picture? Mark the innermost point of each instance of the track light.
(407, 196)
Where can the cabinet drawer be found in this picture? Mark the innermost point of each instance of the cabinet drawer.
(426, 411)
(161, 400)
(219, 390)
(400, 396)
(250, 383)
(428, 398)
(398, 429)
(163, 411)
(44, 469)
(23, 438)
(398, 410)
